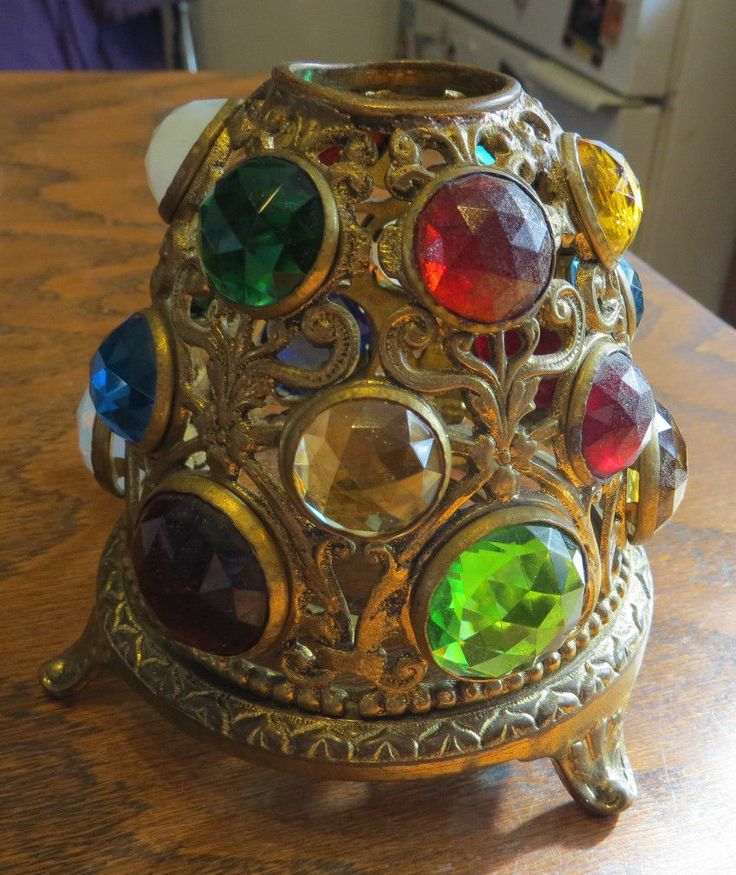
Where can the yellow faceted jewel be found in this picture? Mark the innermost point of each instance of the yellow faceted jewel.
(615, 198)
(632, 486)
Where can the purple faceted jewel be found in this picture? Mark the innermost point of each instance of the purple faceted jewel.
(199, 575)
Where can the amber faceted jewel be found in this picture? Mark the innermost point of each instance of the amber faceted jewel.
(618, 413)
(368, 466)
(506, 601)
(614, 195)
(199, 574)
(483, 247)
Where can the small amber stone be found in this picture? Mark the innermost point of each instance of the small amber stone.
(614, 192)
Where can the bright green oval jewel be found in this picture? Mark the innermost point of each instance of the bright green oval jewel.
(261, 230)
(506, 601)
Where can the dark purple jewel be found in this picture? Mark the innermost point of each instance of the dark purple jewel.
(199, 575)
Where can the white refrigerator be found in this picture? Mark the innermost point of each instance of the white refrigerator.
(654, 78)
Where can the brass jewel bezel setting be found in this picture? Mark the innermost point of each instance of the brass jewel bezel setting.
(363, 390)
(104, 467)
(318, 273)
(643, 515)
(528, 510)
(411, 277)
(162, 425)
(193, 161)
(630, 306)
(252, 528)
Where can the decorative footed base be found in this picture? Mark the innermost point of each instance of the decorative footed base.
(69, 672)
(573, 715)
(596, 768)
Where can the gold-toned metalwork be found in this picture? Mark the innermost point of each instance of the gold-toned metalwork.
(343, 684)
(557, 718)
(390, 92)
(162, 415)
(109, 472)
(623, 284)
(74, 668)
(642, 513)
(655, 499)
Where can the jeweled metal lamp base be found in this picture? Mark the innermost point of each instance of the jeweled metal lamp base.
(388, 456)
(574, 716)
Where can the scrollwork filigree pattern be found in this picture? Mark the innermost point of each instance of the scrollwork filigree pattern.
(238, 393)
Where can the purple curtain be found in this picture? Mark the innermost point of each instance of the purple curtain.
(81, 35)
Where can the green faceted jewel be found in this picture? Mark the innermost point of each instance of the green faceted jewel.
(506, 601)
(261, 231)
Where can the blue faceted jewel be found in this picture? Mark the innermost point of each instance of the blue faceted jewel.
(572, 271)
(302, 353)
(637, 292)
(122, 378)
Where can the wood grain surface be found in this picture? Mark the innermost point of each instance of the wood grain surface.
(105, 784)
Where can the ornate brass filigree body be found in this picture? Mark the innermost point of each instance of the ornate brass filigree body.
(343, 678)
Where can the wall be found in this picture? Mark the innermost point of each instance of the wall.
(698, 165)
(250, 37)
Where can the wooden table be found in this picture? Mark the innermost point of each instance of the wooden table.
(105, 784)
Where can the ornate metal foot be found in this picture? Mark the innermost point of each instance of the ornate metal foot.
(596, 768)
(71, 670)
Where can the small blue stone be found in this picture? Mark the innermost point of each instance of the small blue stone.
(637, 292)
(572, 271)
(483, 156)
(301, 353)
(122, 378)
(360, 316)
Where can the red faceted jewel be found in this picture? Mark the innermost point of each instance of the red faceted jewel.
(483, 248)
(618, 415)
